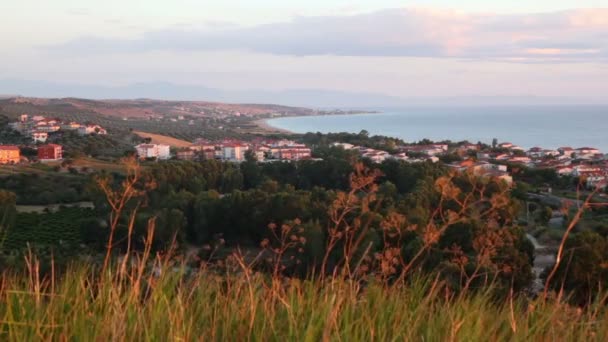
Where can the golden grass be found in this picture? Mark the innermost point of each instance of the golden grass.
(163, 139)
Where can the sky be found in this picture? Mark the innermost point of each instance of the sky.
(432, 48)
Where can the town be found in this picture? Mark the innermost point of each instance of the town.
(586, 163)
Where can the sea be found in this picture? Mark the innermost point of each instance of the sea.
(526, 126)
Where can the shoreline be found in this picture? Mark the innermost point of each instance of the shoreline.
(266, 128)
(263, 124)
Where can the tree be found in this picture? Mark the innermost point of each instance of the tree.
(494, 143)
(545, 215)
(252, 173)
(126, 196)
(8, 214)
(584, 273)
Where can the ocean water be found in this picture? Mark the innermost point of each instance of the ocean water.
(544, 126)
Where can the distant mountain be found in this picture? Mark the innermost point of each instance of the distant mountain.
(293, 97)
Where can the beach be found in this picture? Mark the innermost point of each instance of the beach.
(266, 128)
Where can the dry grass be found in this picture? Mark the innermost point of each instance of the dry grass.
(157, 301)
(163, 139)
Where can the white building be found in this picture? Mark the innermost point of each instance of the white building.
(345, 146)
(161, 152)
(91, 129)
(40, 136)
(71, 126)
(234, 152)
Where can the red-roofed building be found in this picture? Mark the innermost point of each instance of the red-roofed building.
(50, 152)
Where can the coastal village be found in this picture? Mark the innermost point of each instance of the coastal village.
(586, 163)
(38, 128)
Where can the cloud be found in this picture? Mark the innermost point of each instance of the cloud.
(576, 35)
(79, 12)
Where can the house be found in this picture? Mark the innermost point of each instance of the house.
(345, 146)
(582, 170)
(484, 169)
(294, 153)
(519, 160)
(483, 155)
(71, 126)
(39, 136)
(535, 152)
(502, 156)
(507, 145)
(9, 154)
(47, 128)
(469, 147)
(91, 129)
(157, 151)
(209, 153)
(202, 145)
(564, 170)
(50, 152)
(400, 156)
(185, 155)
(429, 150)
(566, 151)
(587, 151)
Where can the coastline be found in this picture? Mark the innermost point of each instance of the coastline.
(264, 126)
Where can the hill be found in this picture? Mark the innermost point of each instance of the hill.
(145, 108)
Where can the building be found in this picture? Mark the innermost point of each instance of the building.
(566, 151)
(294, 153)
(234, 152)
(72, 126)
(39, 136)
(91, 129)
(9, 154)
(185, 154)
(428, 150)
(587, 150)
(345, 146)
(484, 170)
(50, 152)
(157, 151)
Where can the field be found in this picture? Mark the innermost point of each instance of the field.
(62, 227)
(163, 139)
(97, 164)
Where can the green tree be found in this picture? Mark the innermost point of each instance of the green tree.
(584, 272)
(8, 214)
